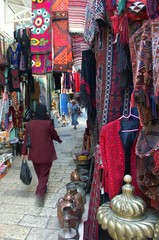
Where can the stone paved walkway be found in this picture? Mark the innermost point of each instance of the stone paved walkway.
(20, 218)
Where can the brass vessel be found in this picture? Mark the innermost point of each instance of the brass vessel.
(126, 217)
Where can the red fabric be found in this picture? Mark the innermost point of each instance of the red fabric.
(17, 116)
(76, 78)
(42, 149)
(113, 158)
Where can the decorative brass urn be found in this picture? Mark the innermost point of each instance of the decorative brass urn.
(126, 217)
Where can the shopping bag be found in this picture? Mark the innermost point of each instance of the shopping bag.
(25, 174)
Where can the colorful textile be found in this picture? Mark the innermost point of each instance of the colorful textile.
(62, 47)
(118, 155)
(61, 39)
(41, 63)
(76, 16)
(78, 45)
(17, 116)
(100, 47)
(41, 27)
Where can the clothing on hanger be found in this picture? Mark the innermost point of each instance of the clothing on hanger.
(118, 155)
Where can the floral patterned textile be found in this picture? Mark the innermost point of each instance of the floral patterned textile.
(41, 27)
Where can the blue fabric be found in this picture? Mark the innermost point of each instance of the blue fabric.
(74, 114)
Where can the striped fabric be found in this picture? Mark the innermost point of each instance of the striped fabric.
(78, 45)
(76, 16)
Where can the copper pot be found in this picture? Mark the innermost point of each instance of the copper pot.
(72, 200)
(75, 176)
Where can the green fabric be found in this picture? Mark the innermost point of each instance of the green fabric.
(121, 6)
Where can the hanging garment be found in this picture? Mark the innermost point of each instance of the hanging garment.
(13, 54)
(13, 80)
(118, 155)
(23, 37)
(76, 79)
(17, 116)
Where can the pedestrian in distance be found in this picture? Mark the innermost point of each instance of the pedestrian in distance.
(74, 110)
(42, 151)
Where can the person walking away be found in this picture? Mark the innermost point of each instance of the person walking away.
(74, 113)
(42, 152)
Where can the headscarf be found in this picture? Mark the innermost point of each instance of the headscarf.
(41, 113)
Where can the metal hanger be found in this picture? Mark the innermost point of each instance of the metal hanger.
(127, 117)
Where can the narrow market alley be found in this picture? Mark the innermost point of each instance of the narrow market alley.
(20, 218)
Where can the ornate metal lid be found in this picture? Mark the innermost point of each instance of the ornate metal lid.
(127, 217)
(126, 205)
